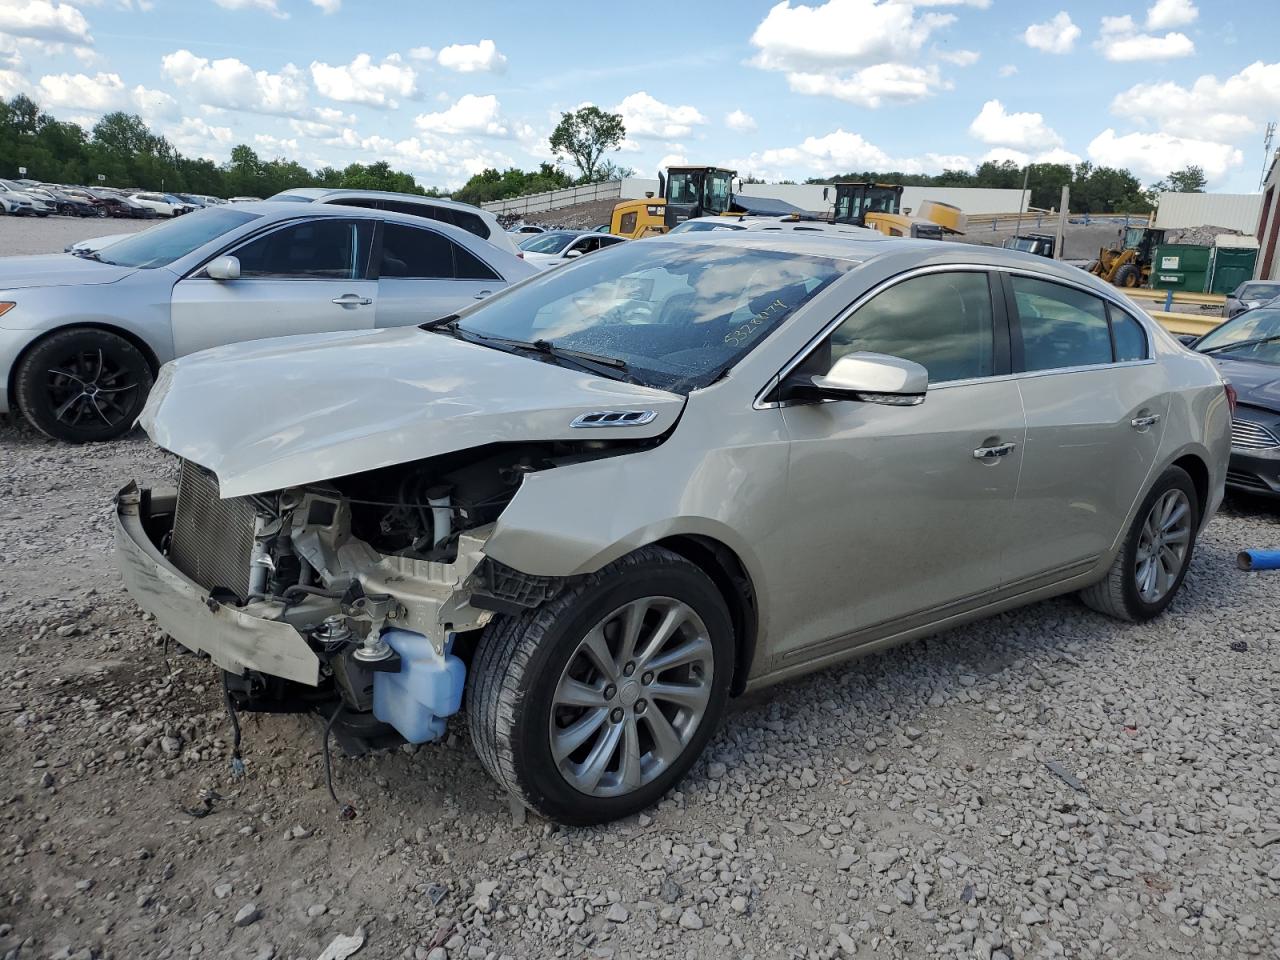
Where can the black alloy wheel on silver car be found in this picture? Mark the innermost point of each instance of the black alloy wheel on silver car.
(1155, 555)
(592, 706)
(83, 385)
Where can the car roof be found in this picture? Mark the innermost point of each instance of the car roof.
(285, 210)
(319, 193)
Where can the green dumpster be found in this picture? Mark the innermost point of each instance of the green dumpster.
(1181, 266)
(1231, 266)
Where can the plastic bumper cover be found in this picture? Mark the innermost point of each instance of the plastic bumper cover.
(234, 639)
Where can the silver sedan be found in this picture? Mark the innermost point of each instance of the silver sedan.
(82, 337)
(606, 500)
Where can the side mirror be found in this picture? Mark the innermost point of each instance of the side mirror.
(1187, 339)
(223, 268)
(869, 377)
(571, 254)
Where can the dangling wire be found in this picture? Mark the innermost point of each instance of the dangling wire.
(237, 764)
(346, 811)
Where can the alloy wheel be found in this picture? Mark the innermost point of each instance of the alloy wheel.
(1162, 545)
(89, 386)
(631, 696)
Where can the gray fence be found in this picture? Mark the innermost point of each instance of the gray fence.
(555, 199)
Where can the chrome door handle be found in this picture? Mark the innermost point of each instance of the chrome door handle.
(1141, 423)
(993, 453)
(483, 293)
(351, 300)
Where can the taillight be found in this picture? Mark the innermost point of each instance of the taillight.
(1231, 397)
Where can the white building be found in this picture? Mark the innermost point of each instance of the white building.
(1181, 211)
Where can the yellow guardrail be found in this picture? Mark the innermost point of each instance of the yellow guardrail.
(1184, 322)
(1179, 296)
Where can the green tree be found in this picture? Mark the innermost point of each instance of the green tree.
(1189, 179)
(585, 135)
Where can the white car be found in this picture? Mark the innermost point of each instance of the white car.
(162, 203)
(555, 248)
(783, 224)
(471, 219)
(17, 201)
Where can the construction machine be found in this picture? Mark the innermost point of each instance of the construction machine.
(1128, 263)
(879, 206)
(686, 192)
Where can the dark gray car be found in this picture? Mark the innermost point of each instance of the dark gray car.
(1250, 294)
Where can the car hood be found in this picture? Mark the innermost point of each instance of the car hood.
(1257, 384)
(270, 414)
(57, 270)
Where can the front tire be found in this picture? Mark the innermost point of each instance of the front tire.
(592, 706)
(83, 385)
(1153, 560)
(1128, 276)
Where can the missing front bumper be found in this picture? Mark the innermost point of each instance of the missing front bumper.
(234, 640)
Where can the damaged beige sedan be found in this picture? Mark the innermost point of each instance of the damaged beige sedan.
(594, 507)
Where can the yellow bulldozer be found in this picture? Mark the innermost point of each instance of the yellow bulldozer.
(879, 206)
(1128, 263)
(686, 192)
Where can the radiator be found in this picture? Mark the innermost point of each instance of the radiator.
(212, 538)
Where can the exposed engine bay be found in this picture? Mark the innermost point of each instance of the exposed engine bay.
(382, 574)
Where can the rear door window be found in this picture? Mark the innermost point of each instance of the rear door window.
(1127, 333)
(419, 253)
(469, 222)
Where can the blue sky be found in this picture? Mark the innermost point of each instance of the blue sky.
(780, 90)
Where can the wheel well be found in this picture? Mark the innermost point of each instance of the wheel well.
(148, 354)
(1199, 474)
(729, 575)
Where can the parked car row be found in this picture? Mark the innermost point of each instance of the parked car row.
(31, 198)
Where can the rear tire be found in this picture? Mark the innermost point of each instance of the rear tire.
(1163, 533)
(556, 695)
(1128, 276)
(83, 385)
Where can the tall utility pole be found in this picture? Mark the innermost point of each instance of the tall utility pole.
(1060, 235)
(1267, 137)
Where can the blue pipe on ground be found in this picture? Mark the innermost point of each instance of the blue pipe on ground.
(1259, 560)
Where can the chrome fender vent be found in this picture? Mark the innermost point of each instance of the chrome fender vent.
(615, 418)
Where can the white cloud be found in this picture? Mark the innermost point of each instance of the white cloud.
(675, 158)
(482, 57)
(233, 85)
(1219, 109)
(12, 83)
(328, 6)
(196, 137)
(267, 6)
(276, 146)
(1021, 158)
(842, 152)
(1057, 35)
(994, 124)
(872, 86)
(422, 53)
(1164, 14)
(961, 58)
(1008, 70)
(1155, 154)
(471, 114)
(645, 116)
(861, 51)
(44, 20)
(363, 81)
(97, 94)
(740, 121)
(154, 104)
(1122, 41)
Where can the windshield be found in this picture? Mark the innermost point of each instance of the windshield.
(160, 245)
(701, 226)
(291, 197)
(678, 315)
(1255, 325)
(552, 242)
(1258, 291)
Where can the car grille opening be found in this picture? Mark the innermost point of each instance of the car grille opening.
(1246, 480)
(212, 538)
(1252, 436)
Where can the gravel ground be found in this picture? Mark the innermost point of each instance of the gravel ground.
(1048, 783)
(52, 234)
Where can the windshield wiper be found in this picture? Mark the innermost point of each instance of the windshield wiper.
(591, 362)
(1242, 343)
(440, 323)
(88, 255)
